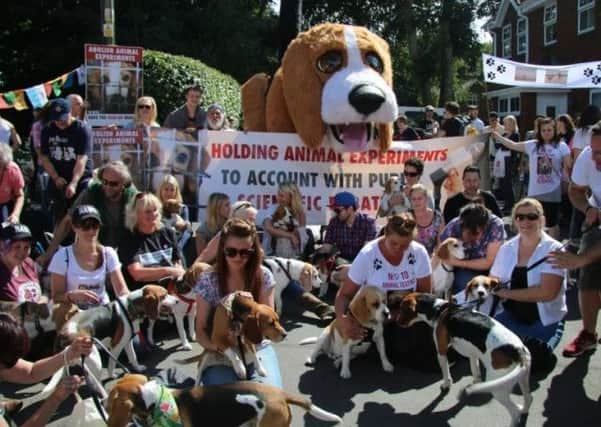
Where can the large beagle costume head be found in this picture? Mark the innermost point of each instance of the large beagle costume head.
(334, 87)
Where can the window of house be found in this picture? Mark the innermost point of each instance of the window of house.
(514, 104)
(586, 16)
(595, 96)
(494, 43)
(521, 36)
(503, 105)
(506, 41)
(550, 24)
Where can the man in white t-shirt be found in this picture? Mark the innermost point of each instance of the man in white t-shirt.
(586, 177)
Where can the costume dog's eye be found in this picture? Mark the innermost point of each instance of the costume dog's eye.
(330, 61)
(374, 61)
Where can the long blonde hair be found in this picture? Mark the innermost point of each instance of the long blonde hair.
(214, 221)
(143, 100)
(513, 121)
(529, 201)
(170, 180)
(296, 201)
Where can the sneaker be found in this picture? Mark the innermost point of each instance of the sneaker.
(583, 342)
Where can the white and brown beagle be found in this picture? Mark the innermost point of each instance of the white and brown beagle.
(333, 88)
(244, 404)
(480, 338)
(442, 273)
(286, 269)
(183, 305)
(369, 308)
(39, 317)
(478, 294)
(239, 316)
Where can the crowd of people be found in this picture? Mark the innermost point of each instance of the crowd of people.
(110, 238)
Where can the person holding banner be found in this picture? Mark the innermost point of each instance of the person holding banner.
(66, 156)
(547, 159)
(482, 234)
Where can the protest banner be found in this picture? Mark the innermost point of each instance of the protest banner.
(506, 72)
(113, 83)
(251, 166)
(119, 144)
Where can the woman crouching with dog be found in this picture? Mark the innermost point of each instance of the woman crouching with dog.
(397, 265)
(237, 268)
(14, 369)
(534, 300)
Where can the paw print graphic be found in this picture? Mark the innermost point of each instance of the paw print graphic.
(490, 62)
(599, 67)
(596, 80)
(491, 75)
(501, 69)
(588, 72)
(377, 264)
(411, 258)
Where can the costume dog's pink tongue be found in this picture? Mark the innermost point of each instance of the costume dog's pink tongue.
(354, 137)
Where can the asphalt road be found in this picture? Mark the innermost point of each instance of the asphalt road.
(569, 396)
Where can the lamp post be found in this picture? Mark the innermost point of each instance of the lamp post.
(108, 21)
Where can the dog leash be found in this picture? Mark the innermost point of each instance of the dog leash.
(126, 315)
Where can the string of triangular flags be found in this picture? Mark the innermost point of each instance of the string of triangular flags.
(38, 94)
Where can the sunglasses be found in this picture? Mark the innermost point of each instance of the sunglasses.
(241, 206)
(528, 216)
(145, 107)
(110, 183)
(90, 224)
(411, 174)
(233, 252)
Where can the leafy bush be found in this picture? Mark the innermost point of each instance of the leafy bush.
(166, 76)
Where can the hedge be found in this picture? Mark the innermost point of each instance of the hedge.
(165, 77)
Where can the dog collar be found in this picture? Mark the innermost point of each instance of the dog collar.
(165, 412)
(444, 267)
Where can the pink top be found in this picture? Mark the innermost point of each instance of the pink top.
(22, 287)
(11, 181)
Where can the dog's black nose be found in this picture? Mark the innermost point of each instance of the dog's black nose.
(366, 98)
(480, 293)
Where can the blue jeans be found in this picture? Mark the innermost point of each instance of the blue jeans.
(216, 375)
(550, 334)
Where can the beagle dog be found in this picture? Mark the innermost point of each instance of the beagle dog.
(369, 308)
(332, 269)
(478, 293)
(333, 88)
(246, 404)
(286, 269)
(481, 339)
(110, 321)
(442, 274)
(183, 305)
(239, 316)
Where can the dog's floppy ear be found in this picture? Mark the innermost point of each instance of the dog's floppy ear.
(302, 89)
(359, 309)
(252, 328)
(494, 283)
(443, 250)
(119, 409)
(254, 95)
(151, 306)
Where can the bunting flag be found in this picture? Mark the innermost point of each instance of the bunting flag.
(38, 94)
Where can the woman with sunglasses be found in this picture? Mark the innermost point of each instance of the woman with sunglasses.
(150, 251)
(533, 295)
(145, 115)
(413, 169)
(79, 271)
(237, 268)
(547, 159)
(14, 369)
(395, 263)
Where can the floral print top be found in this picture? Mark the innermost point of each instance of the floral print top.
(208, 286)
(494, 232)
(428, 235)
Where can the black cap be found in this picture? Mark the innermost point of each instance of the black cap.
(15, 232)
(83, 212)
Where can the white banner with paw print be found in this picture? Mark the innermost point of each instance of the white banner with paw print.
(506, 72)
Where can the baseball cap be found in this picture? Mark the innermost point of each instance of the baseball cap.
(83, 212)
(15, 232)
(428, 108)
(344, 199)
(59, 109)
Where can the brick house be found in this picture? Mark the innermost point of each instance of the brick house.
(544, 32)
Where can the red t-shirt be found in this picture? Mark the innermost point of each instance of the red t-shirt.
(21, 288)
(11, 181)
